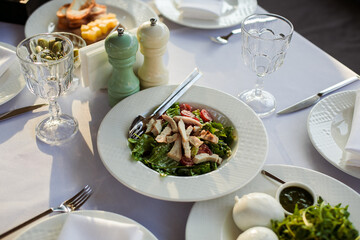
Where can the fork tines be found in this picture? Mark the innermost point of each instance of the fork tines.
(80, 198)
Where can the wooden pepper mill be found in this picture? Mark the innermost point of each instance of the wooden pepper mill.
(153, 37)
(121, 48)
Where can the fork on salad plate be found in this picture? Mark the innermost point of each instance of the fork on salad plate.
(138, 126)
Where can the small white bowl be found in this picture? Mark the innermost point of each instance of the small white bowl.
(295, 184)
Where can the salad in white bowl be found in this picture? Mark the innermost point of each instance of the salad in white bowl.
(185, 141)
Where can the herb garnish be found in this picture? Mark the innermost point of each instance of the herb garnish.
(318, 222)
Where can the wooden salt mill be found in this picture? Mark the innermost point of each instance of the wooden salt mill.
(121, 48)
(153, 37)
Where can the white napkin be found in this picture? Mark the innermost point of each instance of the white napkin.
(7, 57)
(95, 67)
(352, 147)
(80, 227)
(201, 9)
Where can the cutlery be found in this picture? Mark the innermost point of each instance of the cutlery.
(69, 205)
(266, 173)
(224, 39)
(137, 128)
(315, 98)
(19, 111)
(51, 27)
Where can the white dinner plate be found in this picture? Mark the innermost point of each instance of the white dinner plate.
(249, 150)
(233, 13)
(329, 125)
(213, 219)
(12, 81)
(130, 13)
(49, 229)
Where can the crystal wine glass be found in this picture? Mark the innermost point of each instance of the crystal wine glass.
(47, 62)
(265, 40)
(78, 42)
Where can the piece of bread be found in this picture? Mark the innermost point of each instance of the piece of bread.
(97, 10)
(61, 14)
(79, 9)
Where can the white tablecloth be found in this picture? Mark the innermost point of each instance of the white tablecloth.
(35, 176)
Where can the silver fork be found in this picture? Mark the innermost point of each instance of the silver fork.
(69, 205)
(137, 128)
(224, 39)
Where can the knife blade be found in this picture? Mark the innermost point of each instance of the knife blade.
(19, 111)
(307, 102)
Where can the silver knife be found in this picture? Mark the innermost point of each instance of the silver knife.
(315, 98)
(19, 111)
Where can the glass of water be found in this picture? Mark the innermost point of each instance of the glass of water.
(265, 40)
(47, 62)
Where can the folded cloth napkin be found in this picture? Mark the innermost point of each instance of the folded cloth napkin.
(7, 57)
(80, 227)
(352, 147)
(201, 9)
(95, 67)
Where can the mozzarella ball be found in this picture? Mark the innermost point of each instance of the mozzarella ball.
(258, 233)
(256, 209)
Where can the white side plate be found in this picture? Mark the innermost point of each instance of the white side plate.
(212, 220)
(130, 13)
(12, 81)
(233, 13)
(329, 125)
(49, 229)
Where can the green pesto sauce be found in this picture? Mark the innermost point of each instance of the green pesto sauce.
(291, 196)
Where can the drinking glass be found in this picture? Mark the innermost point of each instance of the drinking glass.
(46, 61)
(78, 42)
(265, 40)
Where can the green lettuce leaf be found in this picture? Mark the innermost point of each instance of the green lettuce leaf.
(318, 222)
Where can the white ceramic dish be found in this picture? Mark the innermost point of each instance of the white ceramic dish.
(212, 220)
(233, 13)
(329, 125)
(12, 81)
(50, 228)
(249, 151)
(298, 184)
(130, 13)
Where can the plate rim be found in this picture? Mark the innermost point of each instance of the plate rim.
(316, 145)
(180, 181)
(114, 2)
(90, 213)
(266, 167)
(20, 79)
(195, 25)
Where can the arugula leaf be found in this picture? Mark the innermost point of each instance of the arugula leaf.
(221, 148)
(223, 133)
(142, 146)
(197, 169)
(318, 222)
(174, 110)
(159, 161)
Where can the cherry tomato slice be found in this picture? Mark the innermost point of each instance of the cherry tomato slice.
(204, 149)
(187, 113)
(186, 161)
(205, 116)
(185, 106)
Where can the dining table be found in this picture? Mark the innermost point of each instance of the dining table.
(35, 176)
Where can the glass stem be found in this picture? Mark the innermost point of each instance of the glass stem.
(259, 86)
(54, 109)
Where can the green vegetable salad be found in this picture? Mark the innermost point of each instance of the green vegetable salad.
(201, 144)
(318, 222)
